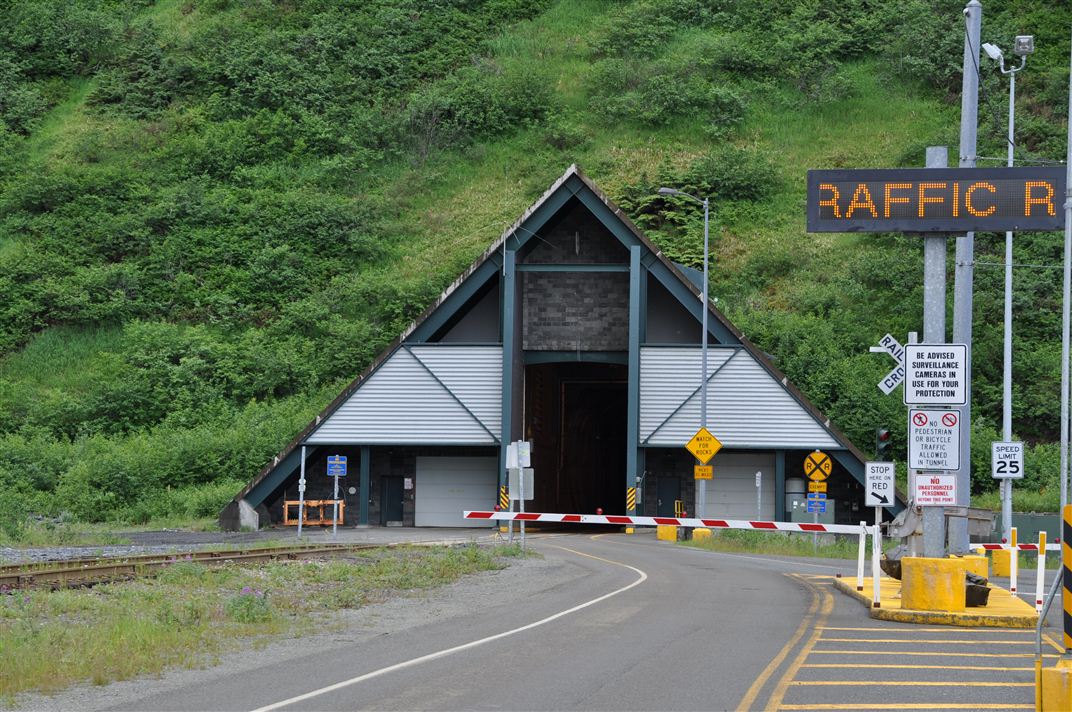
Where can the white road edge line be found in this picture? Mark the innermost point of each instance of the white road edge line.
(464, 646)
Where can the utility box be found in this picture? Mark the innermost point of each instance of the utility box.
(797, 506)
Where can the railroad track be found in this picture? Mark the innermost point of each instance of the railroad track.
(74, 573)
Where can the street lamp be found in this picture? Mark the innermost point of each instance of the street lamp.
(1023, 45)
(701, 485)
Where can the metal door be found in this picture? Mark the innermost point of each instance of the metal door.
(669, 490)
(391, 506)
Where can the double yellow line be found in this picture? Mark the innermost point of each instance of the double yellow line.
(822, 604)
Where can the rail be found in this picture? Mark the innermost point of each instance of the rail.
(74, 573)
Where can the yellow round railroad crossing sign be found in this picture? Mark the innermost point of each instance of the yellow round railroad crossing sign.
(817, 466)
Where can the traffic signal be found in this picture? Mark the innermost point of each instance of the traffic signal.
(882, 444)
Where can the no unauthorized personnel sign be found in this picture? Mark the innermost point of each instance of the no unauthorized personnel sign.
(933, 439)
(936, 490)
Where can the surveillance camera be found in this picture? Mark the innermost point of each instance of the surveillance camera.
(992, 51)
(967, 12)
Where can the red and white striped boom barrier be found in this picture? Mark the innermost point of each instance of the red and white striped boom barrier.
(860, 530)
(621, 520)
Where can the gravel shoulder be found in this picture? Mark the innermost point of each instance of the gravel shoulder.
(521, 579)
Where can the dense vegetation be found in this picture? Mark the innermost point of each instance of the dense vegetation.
(212, 213)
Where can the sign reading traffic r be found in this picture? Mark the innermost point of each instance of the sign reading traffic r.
(936, 200)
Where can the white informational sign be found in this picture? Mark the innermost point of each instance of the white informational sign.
(935, 374)
(1007, 460)
(514, 486)
(933, 490)
(879, 488)
(933, 439)
(519, 454)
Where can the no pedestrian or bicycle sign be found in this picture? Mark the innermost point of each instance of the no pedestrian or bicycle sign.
(817, 466)
(703, 446)
(933, 439)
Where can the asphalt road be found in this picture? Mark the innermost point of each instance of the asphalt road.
(645, 625)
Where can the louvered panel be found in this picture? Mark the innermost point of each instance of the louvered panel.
(746, 406)
(402, 403)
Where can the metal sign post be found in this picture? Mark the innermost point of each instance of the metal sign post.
(301, 492)
(759, 495)
(336, 469)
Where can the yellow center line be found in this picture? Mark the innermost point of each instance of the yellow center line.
(923, 653)
(909, 706)
(775, 663)
(842, 666)
(918, 641)
(888, 629)
(914, 683)
(791, 672)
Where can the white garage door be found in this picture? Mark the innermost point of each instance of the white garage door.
(447, 486)
(731, 493)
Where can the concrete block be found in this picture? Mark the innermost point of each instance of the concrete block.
(1002, 562)
(932, 584)
(700, 533)
(629, 530)
(1056, 687)
(666, 532)
(247, 516)
(978, 565)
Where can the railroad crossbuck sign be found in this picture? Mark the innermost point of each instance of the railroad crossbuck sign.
(933, 439)
(1007, 460)
(935, 374)
(817, 466)
(888, 344)
(878, 490)
(703, 446)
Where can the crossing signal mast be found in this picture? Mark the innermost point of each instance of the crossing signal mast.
(882, 444)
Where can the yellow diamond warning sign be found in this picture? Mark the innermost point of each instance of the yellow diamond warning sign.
(703, 445)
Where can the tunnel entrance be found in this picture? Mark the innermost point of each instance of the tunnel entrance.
(575, 416)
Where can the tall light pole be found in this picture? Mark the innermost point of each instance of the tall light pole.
(701, 485)
(1023, 45)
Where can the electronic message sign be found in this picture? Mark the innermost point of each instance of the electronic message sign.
(936, 200)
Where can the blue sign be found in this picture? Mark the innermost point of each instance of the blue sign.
(336, 465)
(816, 506)
(813, 496)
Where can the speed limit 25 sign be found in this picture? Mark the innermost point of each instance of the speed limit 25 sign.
(1007, 460)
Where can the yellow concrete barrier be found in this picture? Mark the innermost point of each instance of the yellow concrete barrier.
(629, 530)
(666, 532)
(1002, 562)
(700, 534)
(932, 584)
(1056, 687)
(978, 565)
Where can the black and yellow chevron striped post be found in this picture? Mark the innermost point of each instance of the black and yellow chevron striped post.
(630, 505)
(1066, 574)
(504, 505)
(1053, 690)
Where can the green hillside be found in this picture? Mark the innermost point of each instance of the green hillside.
(214, 213)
